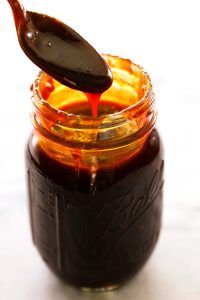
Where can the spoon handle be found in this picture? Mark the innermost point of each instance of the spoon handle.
(18, 12)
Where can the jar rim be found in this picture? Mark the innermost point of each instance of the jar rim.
(95, 120)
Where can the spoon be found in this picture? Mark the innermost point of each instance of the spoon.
(60, 51)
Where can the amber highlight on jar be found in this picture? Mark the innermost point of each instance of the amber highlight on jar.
(95, 184)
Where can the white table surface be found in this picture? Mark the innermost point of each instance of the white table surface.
(162, 36)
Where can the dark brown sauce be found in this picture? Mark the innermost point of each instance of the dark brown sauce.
(99, 234)
(60, 51)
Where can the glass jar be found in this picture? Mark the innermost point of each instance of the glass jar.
(95, 184)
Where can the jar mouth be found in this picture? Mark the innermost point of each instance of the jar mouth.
(114, 62)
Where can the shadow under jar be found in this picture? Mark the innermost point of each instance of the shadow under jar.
(95, 184)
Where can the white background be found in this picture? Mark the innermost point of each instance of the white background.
(163, 36)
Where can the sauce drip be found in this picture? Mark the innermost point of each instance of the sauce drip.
(93, 100)
(62, 53)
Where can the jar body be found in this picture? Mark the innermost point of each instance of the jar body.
(96, 235)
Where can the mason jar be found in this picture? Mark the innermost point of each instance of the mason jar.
(95, 184)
